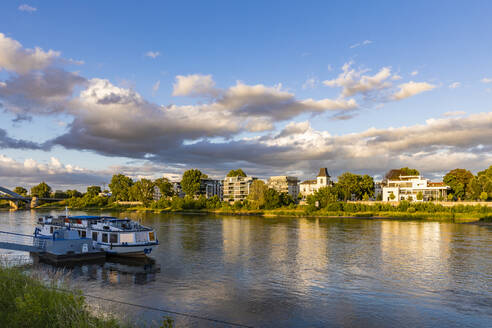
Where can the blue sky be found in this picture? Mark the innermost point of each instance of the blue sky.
(288, 46)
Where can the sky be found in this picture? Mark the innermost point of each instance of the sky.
(149, 89)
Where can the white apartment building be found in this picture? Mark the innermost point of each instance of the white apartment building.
(285, 184)
(408, 188)
(236, 188)
(308, 187)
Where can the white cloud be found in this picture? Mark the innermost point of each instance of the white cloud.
(156, 86)
(31, 172)
(454, 113)
(27, 8)
(411, 88)
(454, 85)
(363, 43)
(152, 54)
(194, 85)
(13, 57)
(310, 83)
(486, 80)
(353, 81)
(414, 73)
(396, 77)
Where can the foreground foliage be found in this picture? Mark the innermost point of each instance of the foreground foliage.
(27, 302)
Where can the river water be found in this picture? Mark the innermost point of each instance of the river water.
(291, 272)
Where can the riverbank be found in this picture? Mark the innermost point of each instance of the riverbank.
(27, 301)
(409, 211)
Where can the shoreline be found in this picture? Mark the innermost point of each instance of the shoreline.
(473, 217)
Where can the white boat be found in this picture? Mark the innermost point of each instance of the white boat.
(113, 235)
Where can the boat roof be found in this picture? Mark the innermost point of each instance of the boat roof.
(90, 217)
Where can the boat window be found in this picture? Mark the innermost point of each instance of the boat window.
(151, 236)
(94, 236)
(105, 238)
(84, 234)
(113, 238)
(51, 229)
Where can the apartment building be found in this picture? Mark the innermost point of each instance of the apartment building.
(236, 188)
(210, 188)
(411, 186)
(285, 184)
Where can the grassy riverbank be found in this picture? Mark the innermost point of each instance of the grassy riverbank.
(26, 301)
(403, 210)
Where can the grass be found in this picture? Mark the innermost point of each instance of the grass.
(27, 301)
(299, 211)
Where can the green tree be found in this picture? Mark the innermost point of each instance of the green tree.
(60, 194)
(420, 195)
(272, 199)
(460, 181)
(190, 183)
(72, 193)
(367, 186)
(256, 194)
(323, 196)
(165, 186)
(350, 184)
(20, 190)
(404, 171)
(483, 183)
(142, 190)
(365, 197)
(120, 187)
(93, 190)
(42, 190)
(450, 197)
(484, 196)
(236, 173)
(392, 196)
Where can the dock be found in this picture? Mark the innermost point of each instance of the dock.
(64, 246)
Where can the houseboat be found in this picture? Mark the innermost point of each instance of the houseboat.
(113, 235)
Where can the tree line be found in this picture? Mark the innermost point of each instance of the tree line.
(349, 186)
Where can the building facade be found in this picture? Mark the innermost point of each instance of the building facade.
(285, 184)
(236, 188)
(308, 187)
(210, 188)
(411, 187)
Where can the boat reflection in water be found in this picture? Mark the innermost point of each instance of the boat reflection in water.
(113, 270)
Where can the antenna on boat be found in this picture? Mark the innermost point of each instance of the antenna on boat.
(66, 215)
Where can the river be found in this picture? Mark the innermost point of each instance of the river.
(298, 272)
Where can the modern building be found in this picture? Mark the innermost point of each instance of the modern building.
(285, 184)
(236, 188)
(308, 187)
(410, 187)
(211, 187)
(178, 191)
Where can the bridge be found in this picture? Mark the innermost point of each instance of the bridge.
(15, 198)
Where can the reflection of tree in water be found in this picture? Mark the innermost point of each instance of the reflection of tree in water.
(192, 236)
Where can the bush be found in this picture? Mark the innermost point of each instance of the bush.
(26, 302)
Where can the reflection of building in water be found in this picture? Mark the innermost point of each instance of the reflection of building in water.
(236, 238)
(423, 245)
(279, 247)
(311, 255)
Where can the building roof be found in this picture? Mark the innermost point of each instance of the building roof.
(309, 182)
(323, 172)
(436, 184)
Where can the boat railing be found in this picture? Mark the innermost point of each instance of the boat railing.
(13, 238)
